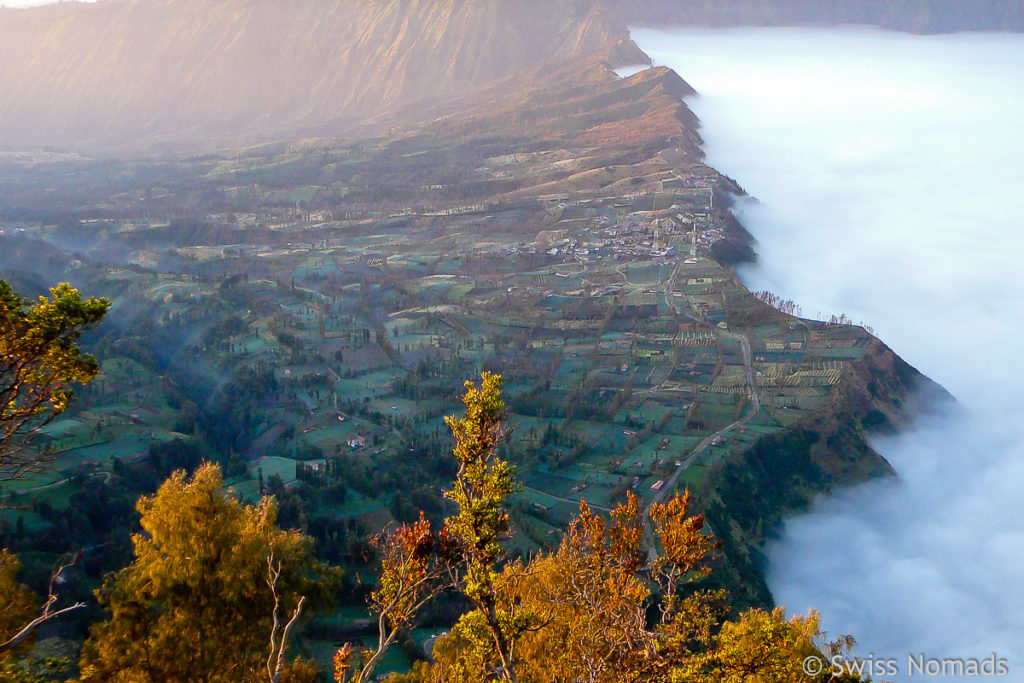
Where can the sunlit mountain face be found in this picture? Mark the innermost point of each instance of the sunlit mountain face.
(177, 74)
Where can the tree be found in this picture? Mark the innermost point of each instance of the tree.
(604, 607)
(414, 568)
(39, 363)
(195, 603)
(415, 565)
(619, 616)
(482, 484)
(276, 662)
(760, 646)
(17, 623)
(589, 599)
(20, 604)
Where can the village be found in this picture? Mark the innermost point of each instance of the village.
(613, 319)
(312, 342)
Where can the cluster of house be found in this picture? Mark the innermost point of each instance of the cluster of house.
(632, 239)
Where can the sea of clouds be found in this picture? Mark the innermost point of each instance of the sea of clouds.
(889, 174)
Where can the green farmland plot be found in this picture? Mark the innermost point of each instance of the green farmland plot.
(457, 292)
(555, 484)
(676, 448)
(57, 495)
(31, 481)
(654, 411)
(335, 433)
(602, 437)
(711, 417)
(125, 446)
(29, 520)
(677, 427)
(246, 489)
(271, 465)
(370, 385)
(691, 476)
(648, 273)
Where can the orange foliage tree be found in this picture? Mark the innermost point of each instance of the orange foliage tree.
(603, 607)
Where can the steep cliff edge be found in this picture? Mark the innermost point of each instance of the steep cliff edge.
(748, 495)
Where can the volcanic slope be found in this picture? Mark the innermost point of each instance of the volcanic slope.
(122, 74)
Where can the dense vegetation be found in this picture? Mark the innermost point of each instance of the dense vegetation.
(215, 588)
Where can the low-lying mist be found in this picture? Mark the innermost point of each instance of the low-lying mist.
(889, 171)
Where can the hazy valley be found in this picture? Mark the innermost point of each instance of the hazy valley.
(314, 224)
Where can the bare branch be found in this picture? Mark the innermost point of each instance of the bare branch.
(275, 660)
(47, 613)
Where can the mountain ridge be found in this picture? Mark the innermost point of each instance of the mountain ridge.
(174, 70)
(130, 77)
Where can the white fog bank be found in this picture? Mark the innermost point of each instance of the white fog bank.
(890, 174)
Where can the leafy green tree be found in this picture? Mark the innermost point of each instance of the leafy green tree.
(39, 363)
(482, 484)
(201, 600)
(466, 554)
